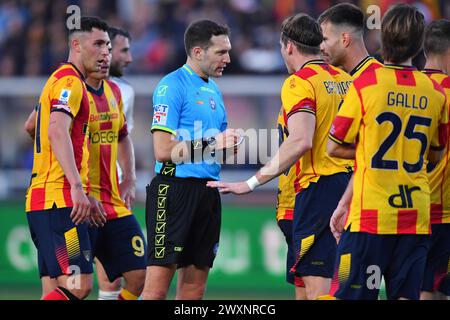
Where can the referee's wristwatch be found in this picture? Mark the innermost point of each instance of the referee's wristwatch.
(211, 141)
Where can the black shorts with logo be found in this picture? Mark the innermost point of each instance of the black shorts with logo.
(183, 219)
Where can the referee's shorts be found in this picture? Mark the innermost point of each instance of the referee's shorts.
(183, 218)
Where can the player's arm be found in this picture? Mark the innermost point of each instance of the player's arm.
(440, 139)
(60, 141)
(342, 136)
(30, 124)
(125, 156)
(339, 216)
(301, 134)
(334, 149)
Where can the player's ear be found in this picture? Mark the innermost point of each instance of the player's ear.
(75, 44)
(345, 38)
(197, 53)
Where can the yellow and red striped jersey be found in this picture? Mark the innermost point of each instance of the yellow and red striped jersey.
(368, 63)
(316, 86)
(107, 126)
(64, 91)
(440, 175)
(394, 114)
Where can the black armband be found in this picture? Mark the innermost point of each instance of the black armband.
(197, 149)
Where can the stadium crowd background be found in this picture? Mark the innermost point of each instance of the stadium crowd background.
(32, 33)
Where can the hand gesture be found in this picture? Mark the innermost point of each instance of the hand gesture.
(227, 187)
(81, 205)
(98, 214)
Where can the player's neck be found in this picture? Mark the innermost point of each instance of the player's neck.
(75, 60)
(406, 63)
(94, 83)
(196, 68)
(301, 60)
(354, 57)
(437, 63)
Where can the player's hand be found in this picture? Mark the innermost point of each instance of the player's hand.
(227, 139)
(230, 187)
(128, 192)
(337, 221)
(97, 216)
(81, 205)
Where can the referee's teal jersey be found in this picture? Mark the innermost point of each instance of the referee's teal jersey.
(190, 108)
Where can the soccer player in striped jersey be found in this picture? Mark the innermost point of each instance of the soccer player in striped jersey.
(310, 99)
(343, 43)
(436, 283)
(394, 120)
(121, 58)
(119, 245)
(343, 46)
(57, 193)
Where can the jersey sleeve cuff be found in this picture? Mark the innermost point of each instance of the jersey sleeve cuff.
(61, 110)
(161, 128)
(339, 141)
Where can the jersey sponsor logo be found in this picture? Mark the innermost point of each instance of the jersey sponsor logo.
(206, 89)
(106, 137)
(407, 101)
(105, 116)
(160, 114)
(212, 103)
(161, 91)
(69, 82)
(403, 199)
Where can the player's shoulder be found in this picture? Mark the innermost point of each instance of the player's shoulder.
(66, 76)
(114, 88)
(172, 81)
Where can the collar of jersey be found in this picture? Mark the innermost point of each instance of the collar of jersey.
(192, 72)
(431, 71)
(359, 65)
(400, 67)
(315, 61)
(98, 92)
(76, 69)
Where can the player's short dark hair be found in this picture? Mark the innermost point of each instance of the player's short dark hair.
(113, 32)
(437, 37)
(344, 14)
(402, 33)
(89, 23)
(303, 31)
(199, 34)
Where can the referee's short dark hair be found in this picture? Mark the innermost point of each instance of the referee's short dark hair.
(113, 32)
(199, 34)
(303, 31)
(437, 37)
(344, 14)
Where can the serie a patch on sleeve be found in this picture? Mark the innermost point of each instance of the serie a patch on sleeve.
(160, 114)
(63, 101)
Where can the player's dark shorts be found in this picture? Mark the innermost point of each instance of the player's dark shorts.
(183, 219)
(314, 244)
(120, 246)
(437, 270)
(363, 258)
(63, 248)
(286, 228)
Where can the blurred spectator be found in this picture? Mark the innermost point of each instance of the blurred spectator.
(32, 33)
